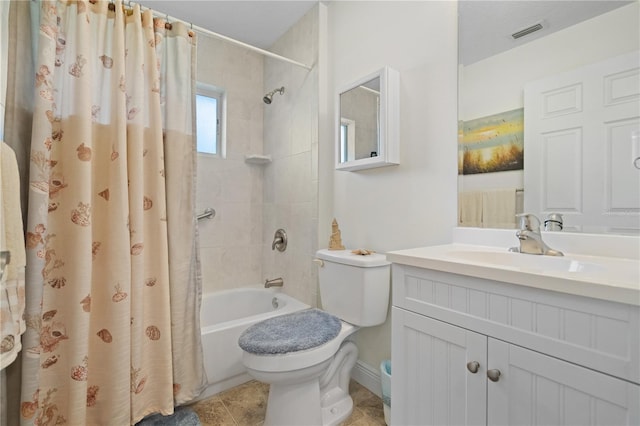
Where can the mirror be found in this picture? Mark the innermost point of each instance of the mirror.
(494, 70)
(360, 108)
(368, 122)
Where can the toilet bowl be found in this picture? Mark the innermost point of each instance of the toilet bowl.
(306, 386)
(307, 357)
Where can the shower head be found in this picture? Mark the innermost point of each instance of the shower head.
(269, 96)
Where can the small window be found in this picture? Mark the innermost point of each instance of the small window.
(210, 115)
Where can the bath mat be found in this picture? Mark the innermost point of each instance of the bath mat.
(182, 416)
(290, 333)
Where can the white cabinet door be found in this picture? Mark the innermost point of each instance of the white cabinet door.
(431, 383)
(536, 389)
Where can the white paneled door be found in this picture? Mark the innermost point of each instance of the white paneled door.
(578, 145)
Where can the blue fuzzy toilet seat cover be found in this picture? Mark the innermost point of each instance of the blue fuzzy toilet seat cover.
(290, 333)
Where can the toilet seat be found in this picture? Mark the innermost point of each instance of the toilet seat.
(292, 332)
(296, 360)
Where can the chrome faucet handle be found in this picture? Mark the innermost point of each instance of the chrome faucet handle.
(531, 238)
(279, 240)
(529, 222)
(553, 222)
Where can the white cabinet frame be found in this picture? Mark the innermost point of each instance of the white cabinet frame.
(563, 359)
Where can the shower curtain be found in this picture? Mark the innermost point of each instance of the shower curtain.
(112, 294)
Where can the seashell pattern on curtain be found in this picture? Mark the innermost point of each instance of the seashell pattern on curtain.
(111, 210)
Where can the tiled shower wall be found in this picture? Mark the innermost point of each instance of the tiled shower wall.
(291, 180)
(252, 201)
(231, 243)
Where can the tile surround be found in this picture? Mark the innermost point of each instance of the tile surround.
(253, 201)
(291, 128)
(231, 243)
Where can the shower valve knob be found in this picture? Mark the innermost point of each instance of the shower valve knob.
(279, 240)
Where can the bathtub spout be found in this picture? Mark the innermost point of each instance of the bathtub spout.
(276, 282)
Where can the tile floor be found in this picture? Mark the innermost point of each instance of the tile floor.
(245, 405)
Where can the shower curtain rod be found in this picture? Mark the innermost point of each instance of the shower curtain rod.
(225, 38)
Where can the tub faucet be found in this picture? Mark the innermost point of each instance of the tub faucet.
(276, 282)
(531, 238)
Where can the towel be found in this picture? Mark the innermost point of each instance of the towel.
(519, 201)
(12, 291)
(182, 416)
(499, 208)
(470, 209)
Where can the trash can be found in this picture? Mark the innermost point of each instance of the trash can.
(385, 380)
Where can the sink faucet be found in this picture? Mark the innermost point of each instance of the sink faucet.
(530, 237)
(276, 282)
(553, 222)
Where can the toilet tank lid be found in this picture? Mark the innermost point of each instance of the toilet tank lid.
(347, 258)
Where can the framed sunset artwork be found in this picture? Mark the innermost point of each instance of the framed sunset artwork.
(491, 144)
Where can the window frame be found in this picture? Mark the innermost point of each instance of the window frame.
(348, 146)
(218, 93)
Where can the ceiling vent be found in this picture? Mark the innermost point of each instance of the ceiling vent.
(527, 31)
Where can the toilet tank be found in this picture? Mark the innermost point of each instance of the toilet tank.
(353, 287)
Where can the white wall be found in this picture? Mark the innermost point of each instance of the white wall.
(495, 84)
(414, 203)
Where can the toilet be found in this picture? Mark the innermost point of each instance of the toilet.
(306, 357)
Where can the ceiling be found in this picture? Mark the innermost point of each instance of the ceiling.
(485, 25)
(257, 22)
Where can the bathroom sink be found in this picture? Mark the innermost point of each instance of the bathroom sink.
(528, 261)
(608, 278)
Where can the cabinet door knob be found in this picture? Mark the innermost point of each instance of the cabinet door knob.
(473, 366)
(493, 375)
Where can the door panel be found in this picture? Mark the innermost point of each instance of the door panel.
(578, 128)
(536, 389)
(431, 384)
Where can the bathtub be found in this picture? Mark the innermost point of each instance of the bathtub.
(223, 317)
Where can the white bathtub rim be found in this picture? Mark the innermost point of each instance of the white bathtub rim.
(223, 364)
(291, 305)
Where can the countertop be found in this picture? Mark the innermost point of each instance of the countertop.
(606, 278)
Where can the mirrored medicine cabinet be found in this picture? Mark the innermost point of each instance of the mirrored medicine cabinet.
(367, 122)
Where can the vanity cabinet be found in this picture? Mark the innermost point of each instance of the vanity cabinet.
(471, 351)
